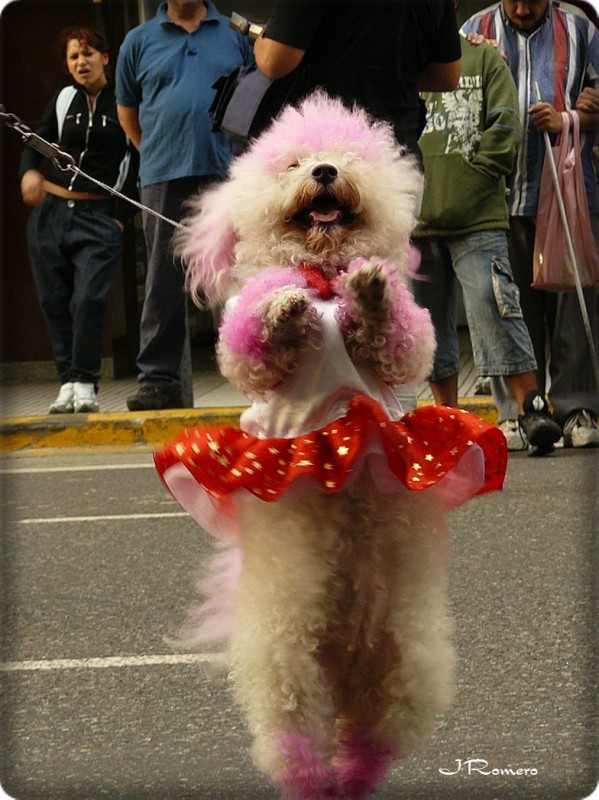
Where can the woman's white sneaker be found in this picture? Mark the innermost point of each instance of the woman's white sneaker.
(84, 399)
(64, 402)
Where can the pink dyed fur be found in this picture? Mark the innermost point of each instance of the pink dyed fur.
(408, 325)
(413, 262)
(209, 623)
(208, 246)
(242, 326)
(362, 765)
(308, 777)
(317, 125)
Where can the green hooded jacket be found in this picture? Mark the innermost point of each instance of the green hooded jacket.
(469, 146)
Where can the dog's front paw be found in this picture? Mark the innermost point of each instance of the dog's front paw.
(370, 289)
(285, 313)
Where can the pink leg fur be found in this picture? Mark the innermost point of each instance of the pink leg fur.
(361, 765)
(307, 777)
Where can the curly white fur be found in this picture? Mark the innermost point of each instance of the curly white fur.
(243, 225)
(340, 644)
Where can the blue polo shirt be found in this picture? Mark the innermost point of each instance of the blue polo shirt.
(167, 74)
(561, 56)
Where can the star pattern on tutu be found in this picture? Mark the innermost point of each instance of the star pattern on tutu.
(420, 449)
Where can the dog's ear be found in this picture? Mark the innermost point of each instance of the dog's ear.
(207, 246)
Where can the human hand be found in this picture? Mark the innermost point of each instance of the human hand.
(588, 100)
(32, 187)
(478, 38)
(546, 118)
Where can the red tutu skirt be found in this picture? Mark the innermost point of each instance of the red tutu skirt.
(431, 446)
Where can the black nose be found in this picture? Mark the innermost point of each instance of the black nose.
(324, 173)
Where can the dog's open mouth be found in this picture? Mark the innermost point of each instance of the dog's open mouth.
(324, 210)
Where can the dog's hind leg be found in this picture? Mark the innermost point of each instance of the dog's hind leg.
(279, 616)
(421, 683)
(361, 762)
(401, 672)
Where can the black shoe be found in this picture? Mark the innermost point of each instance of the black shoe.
(150, 397)
(541, 430)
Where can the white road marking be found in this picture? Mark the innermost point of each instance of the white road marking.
(112, 662)
(100, 518)
(86, 468)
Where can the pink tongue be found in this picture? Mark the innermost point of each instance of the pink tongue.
(332, 216)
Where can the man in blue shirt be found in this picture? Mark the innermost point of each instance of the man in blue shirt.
(552, 44)
(165, 72)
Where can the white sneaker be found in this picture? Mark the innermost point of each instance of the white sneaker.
(515, 436)
(64, 401)
(84, 400)
(581, 430)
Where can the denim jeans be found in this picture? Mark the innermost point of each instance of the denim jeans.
(162, 326)
(74, 250)
(500, 341)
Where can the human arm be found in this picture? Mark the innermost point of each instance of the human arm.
(129, 119)
(501, 134)
(32, 178)
(128, 91)
(274, 59)
(442, 69)
(438, 77)
(282, 44)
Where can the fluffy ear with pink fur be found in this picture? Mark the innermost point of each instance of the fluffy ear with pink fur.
(207, 246)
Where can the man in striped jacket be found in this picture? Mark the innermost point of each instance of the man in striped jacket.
(552, 45)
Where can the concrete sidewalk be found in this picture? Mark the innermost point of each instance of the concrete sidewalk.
(26, 425)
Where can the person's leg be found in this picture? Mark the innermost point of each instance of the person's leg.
(445, 390)
(521, 385)
(501, 344)
(162, 327)
(573, 392)
(555, 324)
(573, 382)
(95, 245)
(434, 289)
(53, 278)
(533, 302)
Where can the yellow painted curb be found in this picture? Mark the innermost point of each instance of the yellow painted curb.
(481, 406)
(145, 428)
(108, 430)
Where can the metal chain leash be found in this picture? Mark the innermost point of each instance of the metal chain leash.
(66, 163)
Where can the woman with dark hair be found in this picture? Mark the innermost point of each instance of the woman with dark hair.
(75, 230)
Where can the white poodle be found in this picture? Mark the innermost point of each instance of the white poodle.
(330, 595)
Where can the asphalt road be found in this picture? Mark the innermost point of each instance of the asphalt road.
(98, 566)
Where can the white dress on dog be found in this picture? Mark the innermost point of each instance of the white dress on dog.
(320, 390)
(321, 427)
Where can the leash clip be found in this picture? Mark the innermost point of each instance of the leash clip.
(47, 149)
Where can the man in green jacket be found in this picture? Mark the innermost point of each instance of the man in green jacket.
(469, 146)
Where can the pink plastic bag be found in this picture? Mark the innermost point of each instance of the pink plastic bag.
(552, 264)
